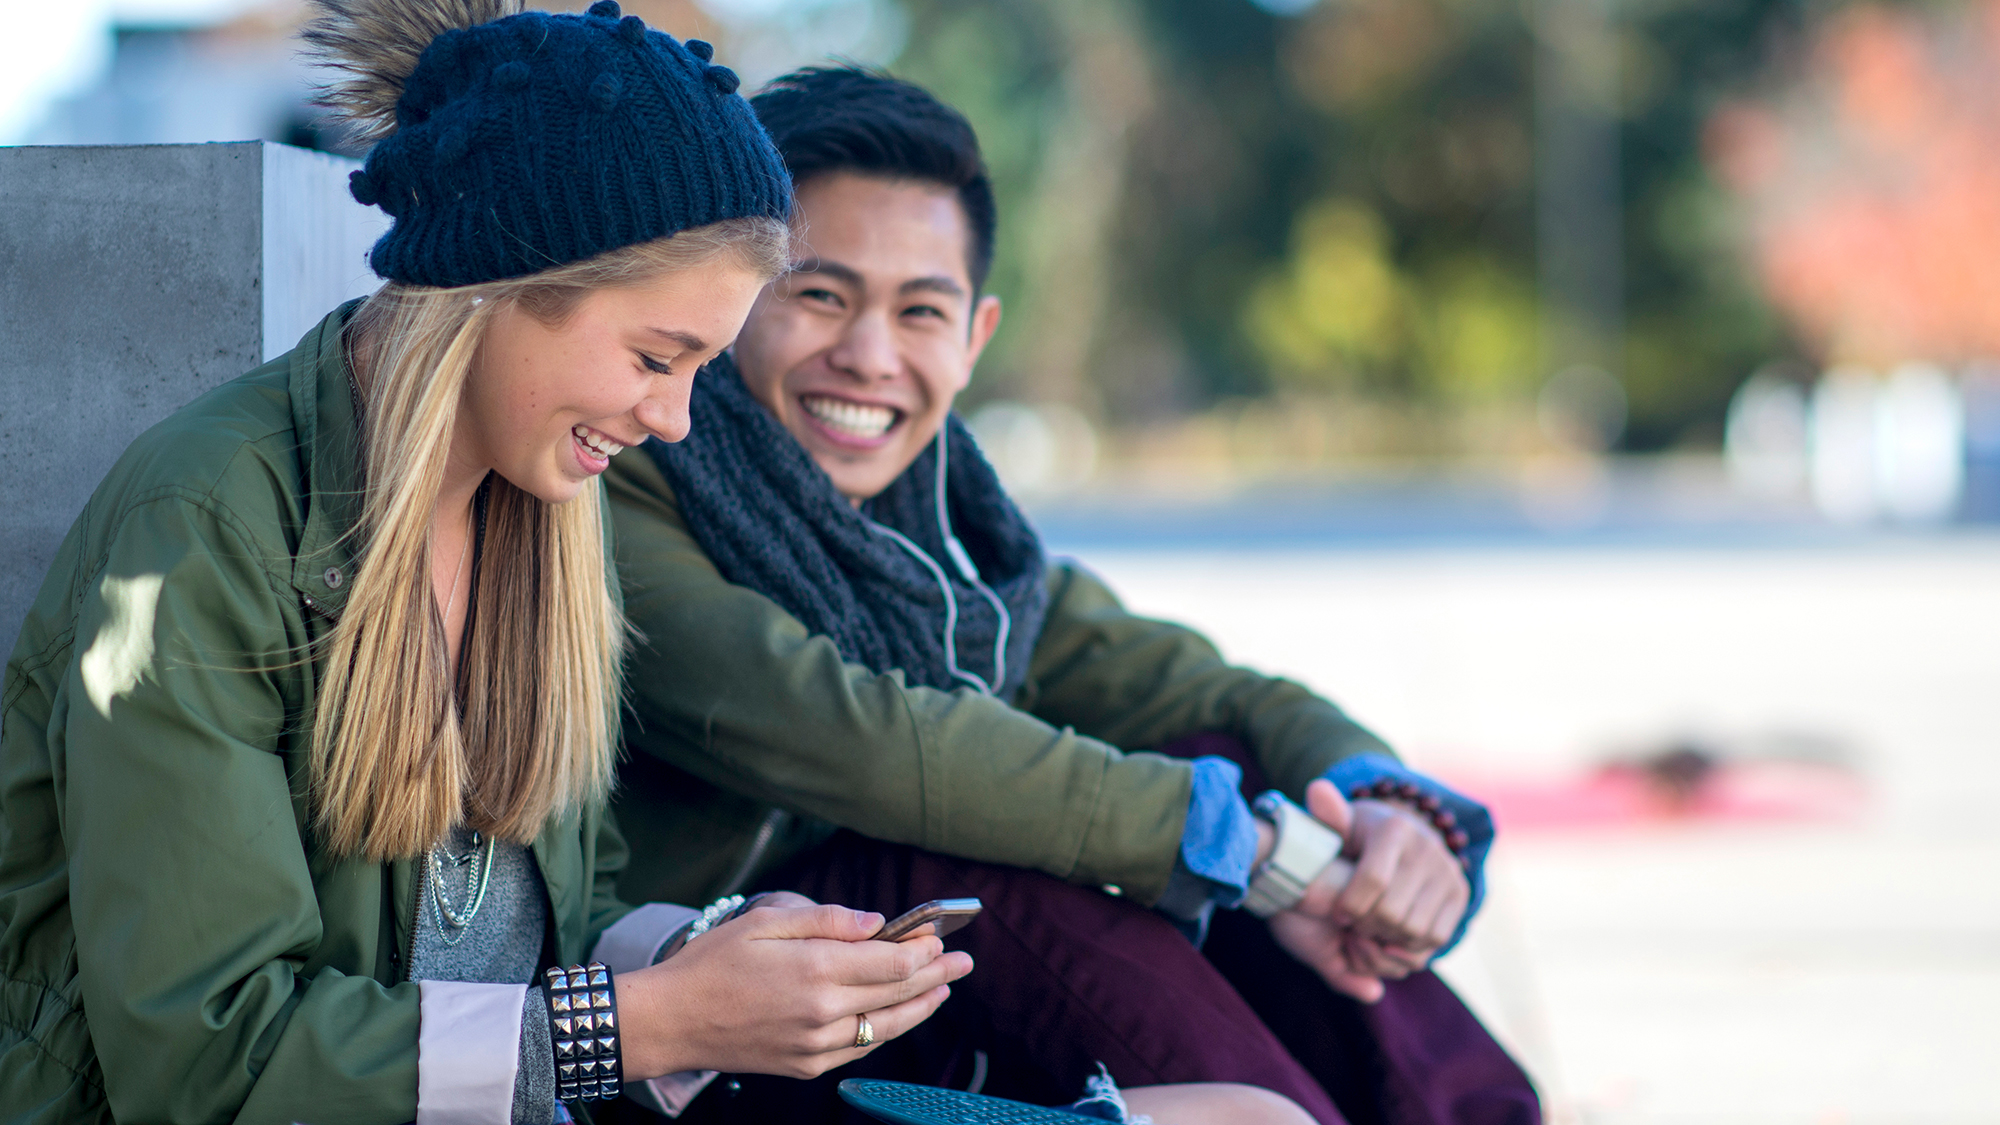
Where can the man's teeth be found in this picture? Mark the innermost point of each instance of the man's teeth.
(597, 443)
(850, 417)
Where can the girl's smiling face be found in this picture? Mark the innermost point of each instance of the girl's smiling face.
(547, 405)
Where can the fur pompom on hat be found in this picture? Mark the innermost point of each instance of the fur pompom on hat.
(510, 142)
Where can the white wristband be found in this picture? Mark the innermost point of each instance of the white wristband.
(1303, 848)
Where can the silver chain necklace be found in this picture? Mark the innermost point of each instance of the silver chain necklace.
(441, 909)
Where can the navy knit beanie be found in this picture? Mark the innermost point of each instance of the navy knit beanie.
(538, 140)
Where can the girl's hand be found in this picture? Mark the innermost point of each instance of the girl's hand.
(780, 991)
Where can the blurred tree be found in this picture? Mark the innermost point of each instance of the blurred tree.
(1203, 199)
(1874, 186)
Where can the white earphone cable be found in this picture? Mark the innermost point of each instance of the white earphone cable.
(960, 556)
(963, 561)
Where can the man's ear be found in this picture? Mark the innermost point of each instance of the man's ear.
(985, 322)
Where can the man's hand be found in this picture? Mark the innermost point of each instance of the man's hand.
(1400, 904)
(1349, 963)
(1407, 890)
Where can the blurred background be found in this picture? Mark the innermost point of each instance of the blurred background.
(1600, 399)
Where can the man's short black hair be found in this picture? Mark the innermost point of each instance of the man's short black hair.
(846, 118)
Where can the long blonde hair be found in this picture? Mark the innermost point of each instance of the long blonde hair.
(395, 763)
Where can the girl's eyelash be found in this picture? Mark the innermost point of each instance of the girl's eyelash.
(655, 365)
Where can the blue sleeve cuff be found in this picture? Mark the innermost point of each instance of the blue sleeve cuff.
(1367, 769)
(1218, 847)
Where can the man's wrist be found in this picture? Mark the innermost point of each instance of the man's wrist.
(1376, 806)
(1411, 803)
(1267, 838)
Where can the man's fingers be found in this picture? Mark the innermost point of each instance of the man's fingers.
(1360, 986)
(1322, 948)
(1325, 888)
(1309, 939)
(836, 923)
(1395, 921)
(1434, 918)
(1374, 959)
(1369, 883)
(1414, 960)
(1324, 801)
(1447, 920)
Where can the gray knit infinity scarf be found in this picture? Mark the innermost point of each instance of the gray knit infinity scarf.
(769, 519)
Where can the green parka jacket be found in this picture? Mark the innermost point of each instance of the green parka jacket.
(749, 738)
(174, 944)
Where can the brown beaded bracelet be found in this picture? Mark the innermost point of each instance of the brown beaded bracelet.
(1408, 793)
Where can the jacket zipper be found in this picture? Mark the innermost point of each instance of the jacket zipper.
(416, 918)
(319, 610)
(766, 831)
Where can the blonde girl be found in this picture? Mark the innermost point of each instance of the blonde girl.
(305, 743)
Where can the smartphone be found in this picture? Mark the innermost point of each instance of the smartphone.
(939, 916)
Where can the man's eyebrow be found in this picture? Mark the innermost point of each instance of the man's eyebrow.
(834, 270)
(939, 284)
(687, 340)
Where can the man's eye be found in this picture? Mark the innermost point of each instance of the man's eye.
(924, 310)
(827, 295)
(657, 367)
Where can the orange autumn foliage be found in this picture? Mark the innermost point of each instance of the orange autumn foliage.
(1873, 186)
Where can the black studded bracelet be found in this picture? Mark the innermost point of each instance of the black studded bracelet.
(1426, 805)
(583, 1026)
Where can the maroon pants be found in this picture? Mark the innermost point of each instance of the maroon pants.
(1067, 977)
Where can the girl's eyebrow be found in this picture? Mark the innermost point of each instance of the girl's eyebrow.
(688, 340)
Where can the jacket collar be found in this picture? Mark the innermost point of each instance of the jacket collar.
(325, 418)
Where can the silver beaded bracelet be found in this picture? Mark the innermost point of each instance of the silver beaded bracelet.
(713, 915)
(716, 913)
(583, 1026)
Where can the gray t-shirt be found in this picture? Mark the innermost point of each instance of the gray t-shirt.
(501, 943)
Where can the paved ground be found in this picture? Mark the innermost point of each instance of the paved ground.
(1844, 969)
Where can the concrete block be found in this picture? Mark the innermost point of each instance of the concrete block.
(132, 279)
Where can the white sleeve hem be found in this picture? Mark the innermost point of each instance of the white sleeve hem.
(468, 1049)
(632, 943)
(636, 939)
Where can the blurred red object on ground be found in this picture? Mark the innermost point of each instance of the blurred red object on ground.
(1681, 785)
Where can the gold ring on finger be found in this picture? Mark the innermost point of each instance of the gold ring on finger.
(866, 1034)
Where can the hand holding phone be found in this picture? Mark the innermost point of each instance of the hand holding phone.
(939, 917)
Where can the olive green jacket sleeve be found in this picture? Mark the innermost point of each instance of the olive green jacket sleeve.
(193, 902)
(730, 688)
(744, 708)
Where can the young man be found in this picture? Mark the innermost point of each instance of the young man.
(848, 625)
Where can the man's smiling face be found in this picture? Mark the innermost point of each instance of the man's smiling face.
(860, 351)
